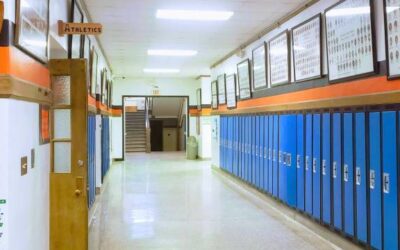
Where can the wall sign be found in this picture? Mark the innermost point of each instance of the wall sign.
(214, 95)
(307, 50)
(32, 27)
(79, 28)
(279, 64)
(221, 89)
(243, 72)
(392, 23)
(44, 124)
(260, 67)
(350, 40)
(231, 91)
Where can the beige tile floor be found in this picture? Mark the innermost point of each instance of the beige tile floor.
(162, 201)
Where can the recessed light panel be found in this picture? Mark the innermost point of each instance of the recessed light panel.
(161, 52)
(162, 71)
(194, 15)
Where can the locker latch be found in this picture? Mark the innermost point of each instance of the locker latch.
(307, 163)
(256, 149)
(298, 161)
(265, 152)
(346, 172)
(386, 183)
(280, 157)
(358, 176)
(288, 160)
(314, 165)
(334, 174)
(372, 179)
(323, 167)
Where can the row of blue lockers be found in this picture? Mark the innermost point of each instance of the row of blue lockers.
(338, 168)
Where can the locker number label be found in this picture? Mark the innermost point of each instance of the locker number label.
(386, 183)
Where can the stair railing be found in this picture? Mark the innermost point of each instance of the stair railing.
(148, 109)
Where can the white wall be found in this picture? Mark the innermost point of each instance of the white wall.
(215, 140)
(205, 138)
(27, 218)
(205, 90)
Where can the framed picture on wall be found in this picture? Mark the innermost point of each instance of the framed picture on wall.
(392, 32)
(76, 41)
(103, 86)
(32, 28)
(86, 52)
(44, 124)
(244, 79)
(214, 95)
(350, 40)
(198, 98)
(279, 59)
(110, 85)
(260, 75)
(231, 91)
(93, 72)
(307, 49)
(221, 89)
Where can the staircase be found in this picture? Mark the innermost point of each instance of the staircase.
(135, 128)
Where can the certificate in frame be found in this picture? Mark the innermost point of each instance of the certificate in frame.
(279, 59)
(214, 95)
(198, 98)
(350, 40)
(32, 28)
(221, 89)
(259, 67)
(392, 38)
(231, 100)
(244, 79)
(307, 49)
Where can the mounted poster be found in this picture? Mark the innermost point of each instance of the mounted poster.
(76, 41)
(307, 50)
(222, 89)
(231, 91)
(279, 62)
(214, 95)
(392, 23)
(32, 27)
(350, 40)
(243, 72)
(260, 67)
(198, 98)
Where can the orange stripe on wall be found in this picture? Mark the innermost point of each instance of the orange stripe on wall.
(18, 64)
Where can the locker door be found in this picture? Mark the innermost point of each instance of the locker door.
(228, 147)
(237, 146)
(234, 146)
(300, 162)
(291, 179)
(271, 154)
(265, 128)
(326, 168)
(257, 145)
(348, 174)
(261, 153)
(389, 180)
(337, 170)
(275, 156)
(221, 142)
(248, 165)
(316, 166)
(361, 180)
(308, 164)
(281, 162)
(253, 150)
(242, 153)
(375, 180)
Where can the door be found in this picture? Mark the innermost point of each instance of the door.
(300, 162)
(170, 139)
(316, 166)
(68, 177)
(348, 183)
(156, 137)
(326, 168)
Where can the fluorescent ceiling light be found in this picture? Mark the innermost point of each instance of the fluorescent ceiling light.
(165, 71)
(195, 15)
(162, 52)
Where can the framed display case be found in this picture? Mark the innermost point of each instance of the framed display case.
(259, 69)
(244, 79)
(221, 89)
(214, 95)
(110, 87)
(231, 91)
(198, 99)
(307, 49)
(104, 80)
(279, 59)
(76, 41)
(350, 40)
(93, 72)
(392, 32)
(32, 28)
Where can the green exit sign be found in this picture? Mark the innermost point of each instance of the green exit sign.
(2, 201)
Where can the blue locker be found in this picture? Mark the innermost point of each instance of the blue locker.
(221, 143)
(316, 166)
(242, 147)
(236, 146)
(308, 165)
(253, 145)
(348, 174)
(234, 143)
(257, 145)
(225, 124)
(248, 141)
(337, 170)
(281, 155)
(361, 177)
(275, 156)
(270, 153)
(375, 180)
(265, 129)
(261, 153)
(389, 178)
(326, 168)
(291, 171)
(231, 141)
(300, 162)
(228, 148)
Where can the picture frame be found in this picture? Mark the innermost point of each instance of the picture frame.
(214, 95)
(279, 59)
(93, 69)
(363, 50)
(392, 34)
(231, 100)
(32, 28)
(221, 89)
(307, 58)
(110, 85)
(198, 98)
(244, 79)
(87, 56)
(103, 86)
(75, 42)
(44, 124)
(260, 63)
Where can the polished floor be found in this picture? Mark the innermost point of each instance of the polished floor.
(162, 201)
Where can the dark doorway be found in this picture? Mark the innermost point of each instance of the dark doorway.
(156, 135)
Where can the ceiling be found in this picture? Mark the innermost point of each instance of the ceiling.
(130, 29)
(167, 106)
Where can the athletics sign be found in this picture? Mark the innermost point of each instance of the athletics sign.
(79, 28)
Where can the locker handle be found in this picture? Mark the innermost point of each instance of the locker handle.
(372, 179)
(334, 175)
(307, 163)
(358, 176)
(346, 172)
(314, 165)
(323, 167)
(298, 161)
(288, 160)
(386, 183)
